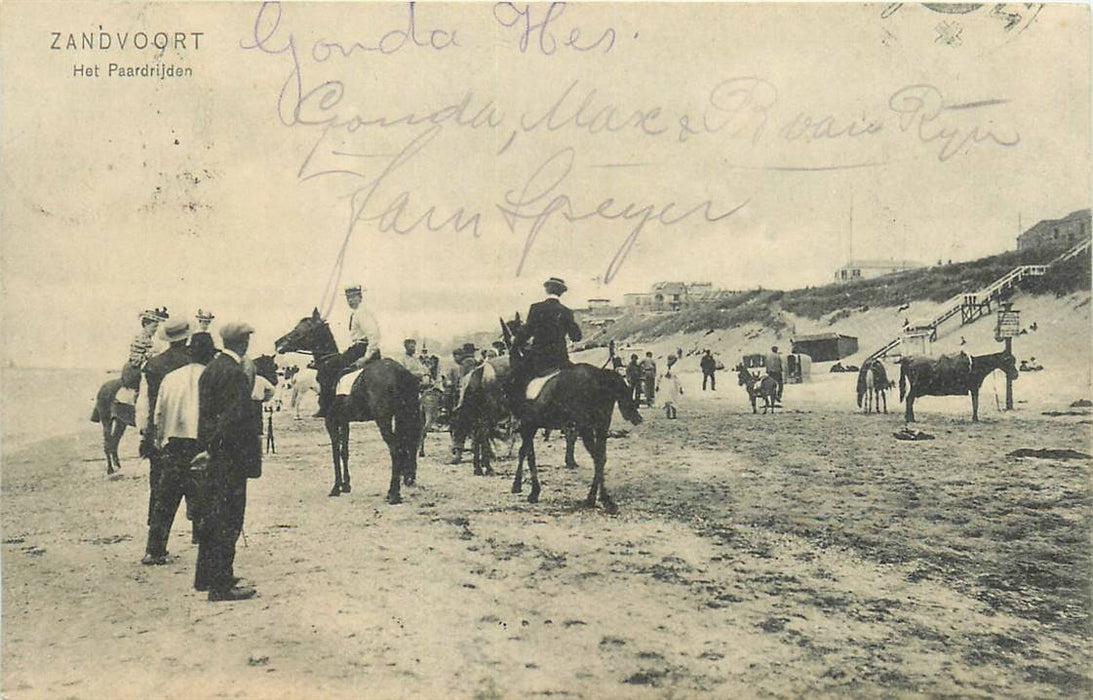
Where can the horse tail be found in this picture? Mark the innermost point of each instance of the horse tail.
(625, 398)
(861, 383)
(902, 379)
(95, 415)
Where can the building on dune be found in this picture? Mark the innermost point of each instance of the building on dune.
(673, 296)
(1057, 233)
(856, 270)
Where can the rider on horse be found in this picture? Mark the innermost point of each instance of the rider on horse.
(363, 332)
(549, 324)
(140, 351)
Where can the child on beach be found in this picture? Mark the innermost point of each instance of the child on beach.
(672, 389)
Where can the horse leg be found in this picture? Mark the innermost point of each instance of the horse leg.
(588, 437)
(476, 452)
(107, 432)
(115, 440)
(487, 455)
(335, 449)
(346, 488)
(909, 414)
(570, 447)
(975, 405)
(533, 470)
(387, 431)
(425, 423)
(601, 469)
(518, 480)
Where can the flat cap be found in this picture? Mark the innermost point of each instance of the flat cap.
(235, 330)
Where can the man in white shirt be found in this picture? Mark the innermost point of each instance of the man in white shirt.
(410, 361)
(364, 333)
(174, 421)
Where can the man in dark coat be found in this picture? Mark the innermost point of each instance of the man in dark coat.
(549, 324)
(633, 378)
(709, 367)
(226, 432)
(177, 332)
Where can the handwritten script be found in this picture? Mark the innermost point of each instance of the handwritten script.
(575, 129)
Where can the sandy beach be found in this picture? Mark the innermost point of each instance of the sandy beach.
(803, 554)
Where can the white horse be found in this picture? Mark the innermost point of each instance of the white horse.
(300, 384)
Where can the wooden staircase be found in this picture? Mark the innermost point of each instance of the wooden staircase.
(974, 305)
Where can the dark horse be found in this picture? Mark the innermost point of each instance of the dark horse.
(385, 392)
(580, 396)
(950, 375)
(113, 427)
(873, 384)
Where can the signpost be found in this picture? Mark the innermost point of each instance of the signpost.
(1009, 325)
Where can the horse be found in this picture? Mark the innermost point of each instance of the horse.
(301, 382)
(582, 396)
(767, 388)
(483, 408)
(430, 409)
(873, 383)
(385, 392)
(950, 375)
(113, 427)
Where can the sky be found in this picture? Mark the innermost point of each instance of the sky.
(462, 163)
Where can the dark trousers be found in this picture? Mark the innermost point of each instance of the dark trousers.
(777, 376)
(221, 522)
(713, 381)
(649, 389)
(171, 480)
(329, 372)
(635, 390)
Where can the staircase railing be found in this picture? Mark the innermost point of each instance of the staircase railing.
(986, 295)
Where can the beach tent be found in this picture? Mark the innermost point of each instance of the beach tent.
(798, 368)
(825, 347)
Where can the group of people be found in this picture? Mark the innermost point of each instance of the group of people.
(198, 409)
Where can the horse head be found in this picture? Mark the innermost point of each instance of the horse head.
(266, 367)
(304, 337)
(1008, 364)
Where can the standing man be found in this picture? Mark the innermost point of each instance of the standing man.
(709, 366)
(775, 368)
(633, 378)
(175, 423)
(176, 332)
(549, 324)
(649, 378)
(226, 432)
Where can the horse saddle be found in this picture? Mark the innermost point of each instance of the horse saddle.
(345, 383)
(953, 369)
(535, 386)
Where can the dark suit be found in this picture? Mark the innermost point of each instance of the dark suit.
(159, 529)
(225, 428)
(548, 326)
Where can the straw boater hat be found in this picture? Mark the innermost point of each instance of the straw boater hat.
(175, 330)
(203, 315)
(354, 289)
(556, 283)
